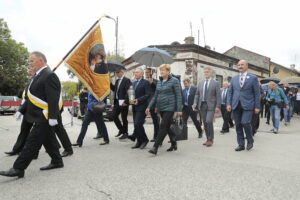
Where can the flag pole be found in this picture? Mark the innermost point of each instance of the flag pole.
(78, 42)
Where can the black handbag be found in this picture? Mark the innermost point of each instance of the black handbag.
(98, 107)
(280, 104)
(180, 129)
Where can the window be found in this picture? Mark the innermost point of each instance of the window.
(219, 78)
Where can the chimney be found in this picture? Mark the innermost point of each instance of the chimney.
(292, 66)
(189, 40)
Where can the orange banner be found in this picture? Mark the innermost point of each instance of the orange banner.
(78, 63)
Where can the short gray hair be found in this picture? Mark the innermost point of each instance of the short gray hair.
(187, 80)
(140, 69)
(208, 68)
(39, 55)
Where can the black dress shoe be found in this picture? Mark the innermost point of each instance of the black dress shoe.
(153, 150)
(11, 153)
(136, 146)
(143, 145)
(172, 148)
(153, 140)
(104, 143)
(13, 172)
(223, 131)
(66, 153)
(124, 136)
(249, 146)
(131, 137)
(52, 166)
(119, 134)
(98, 137)
(77, 144)
(240, 148)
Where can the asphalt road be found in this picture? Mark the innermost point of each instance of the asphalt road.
(269, 171)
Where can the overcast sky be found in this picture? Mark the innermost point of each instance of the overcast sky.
(53, 26)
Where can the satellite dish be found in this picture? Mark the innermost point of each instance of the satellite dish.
(275, 70)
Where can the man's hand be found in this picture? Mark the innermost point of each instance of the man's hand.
(194, 106)
(155, 110)
(256, 111)
(124, 104)
(179, 113)
(53, 122)
(147, 111)
(18, 116)
(136, 102)
(228, 108)
(217, 110)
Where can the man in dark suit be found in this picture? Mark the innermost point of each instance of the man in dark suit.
(154, 115)
(243, 98)
(83, 98)
(142, 93)
(121, 102)
(188, 95)
(208, 101)
(41, 108)
(227, 121)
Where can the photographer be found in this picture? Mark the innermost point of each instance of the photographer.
(276, 100)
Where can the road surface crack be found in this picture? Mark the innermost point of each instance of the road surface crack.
(100, 191)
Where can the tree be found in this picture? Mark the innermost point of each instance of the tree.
(69, 90)
(13, 63)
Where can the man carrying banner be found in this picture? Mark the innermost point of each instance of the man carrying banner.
(99, 66)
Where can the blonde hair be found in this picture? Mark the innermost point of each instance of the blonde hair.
(165, 66)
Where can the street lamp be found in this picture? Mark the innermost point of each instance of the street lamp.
(116, 31)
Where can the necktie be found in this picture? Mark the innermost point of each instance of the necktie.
(242, 80)
(224, 95)
(117, 84)
(136, 84)
(205, 90)
(186, 96)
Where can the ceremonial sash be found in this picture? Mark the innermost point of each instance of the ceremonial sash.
(42, 104)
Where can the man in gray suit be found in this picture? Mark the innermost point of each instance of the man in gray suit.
(208, 101)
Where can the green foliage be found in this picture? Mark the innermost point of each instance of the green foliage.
(112, 56)
(69, 90)
(13, 63)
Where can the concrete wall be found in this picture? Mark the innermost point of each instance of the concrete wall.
(253, 58)
(283, 72)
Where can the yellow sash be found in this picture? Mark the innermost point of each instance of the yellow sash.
(42, 104)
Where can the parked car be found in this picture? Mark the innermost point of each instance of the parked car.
(74, 109)
(108, 113)
(9, 104)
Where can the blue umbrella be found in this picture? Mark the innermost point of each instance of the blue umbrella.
(268, 79)
(152, 57)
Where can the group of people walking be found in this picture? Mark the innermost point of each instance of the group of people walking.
(162, 99)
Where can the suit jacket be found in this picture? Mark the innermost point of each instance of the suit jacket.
(122, 91)
(213, 95)
(226, 95)
(191, 95)
(142, 92)
(248, 95)
(45, 86)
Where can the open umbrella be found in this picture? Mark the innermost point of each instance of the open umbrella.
(291, 80)
(114, 65)
(267, 80)
(152, 57)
